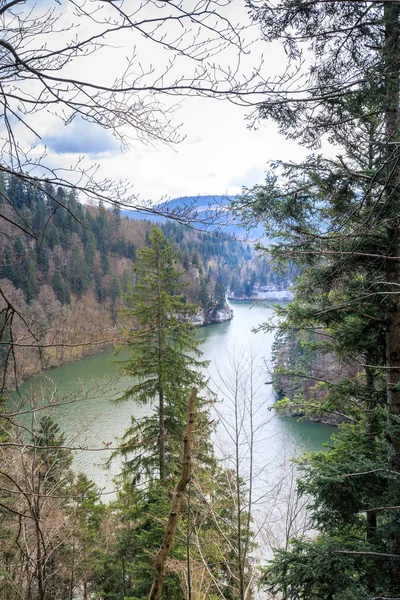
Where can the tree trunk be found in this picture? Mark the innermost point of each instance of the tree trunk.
(161, 408)
(161, 433)
(239, 507)
(160, 562)
(40, 569)
(372, 425)
(188, 540)
(391, 64)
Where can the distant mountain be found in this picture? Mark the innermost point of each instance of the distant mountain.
(209, 213)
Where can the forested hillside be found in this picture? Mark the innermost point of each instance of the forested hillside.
(66, 266)
(173, 503)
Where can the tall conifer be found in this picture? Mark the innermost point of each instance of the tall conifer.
(164, 357)
(337, 217)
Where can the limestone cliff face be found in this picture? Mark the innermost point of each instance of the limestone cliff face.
(211, 316)
(220, 316)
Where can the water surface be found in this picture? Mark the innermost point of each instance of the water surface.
(90, 419)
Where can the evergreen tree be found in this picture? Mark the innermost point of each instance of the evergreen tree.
(47, 439)
(165, 364)
(78, 272)
(88, 513)
(131, 251)
(61, 288)
(338, 219)
(105, 264)
(19, 260)
(164, 355)
(115, 293)
(116, 213)
(43, 258)
(219, 296)
(6, 266)
(90, 249)
(204, 294)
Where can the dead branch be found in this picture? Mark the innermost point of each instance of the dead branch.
(161, 558)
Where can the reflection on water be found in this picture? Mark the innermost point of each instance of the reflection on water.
(89, 419)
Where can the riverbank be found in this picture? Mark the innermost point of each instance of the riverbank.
(271, 296)
(91, 418)
(331, 420)
(62, 354)
(294, 410)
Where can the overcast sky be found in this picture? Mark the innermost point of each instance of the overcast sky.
(218, 155)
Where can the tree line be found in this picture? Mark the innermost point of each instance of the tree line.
(77, 267)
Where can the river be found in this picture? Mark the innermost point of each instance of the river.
(88, 418)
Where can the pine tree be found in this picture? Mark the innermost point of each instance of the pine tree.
(164, 357)
(6, 265)
(338, 220)
(115, 293)
(165, 363)
(48, 441)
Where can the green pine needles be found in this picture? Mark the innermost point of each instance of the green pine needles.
(165, 359)
(165, 363)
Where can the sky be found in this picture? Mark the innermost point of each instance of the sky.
(218, 153)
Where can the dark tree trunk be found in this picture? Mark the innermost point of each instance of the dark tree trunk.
(391, 65)
(161, 407)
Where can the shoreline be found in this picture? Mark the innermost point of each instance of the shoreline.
(105, 348)
(272, 296)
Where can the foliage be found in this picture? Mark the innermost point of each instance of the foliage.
(311, 571)
(336, 219)
(164, 357)
(50, 519)
(81, 264)
(164, 363)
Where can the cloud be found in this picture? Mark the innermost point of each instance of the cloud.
(81, 137)
(251, 177)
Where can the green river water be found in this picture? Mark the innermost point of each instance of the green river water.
(90, 419)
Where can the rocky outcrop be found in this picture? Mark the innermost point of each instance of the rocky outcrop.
(212, 316)
(325, 419)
